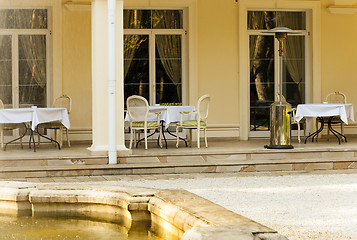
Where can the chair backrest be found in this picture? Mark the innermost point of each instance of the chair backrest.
(202, 107)
(63, 101)
(336, 97)
(1, 104)
(137, 108)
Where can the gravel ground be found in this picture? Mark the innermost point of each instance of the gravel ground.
(303, 206)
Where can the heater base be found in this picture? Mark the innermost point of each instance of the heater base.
(279, 146)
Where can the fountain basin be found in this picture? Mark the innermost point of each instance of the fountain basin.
(170, 214)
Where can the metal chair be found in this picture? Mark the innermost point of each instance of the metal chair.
(201, 115)
(337, 98)
(138, 112)
(9, 126)
(63, 101)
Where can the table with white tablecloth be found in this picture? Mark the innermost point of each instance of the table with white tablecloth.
(34, 116)
(168, 115)
(344, 111)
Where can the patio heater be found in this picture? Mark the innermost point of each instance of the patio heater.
(280, 131)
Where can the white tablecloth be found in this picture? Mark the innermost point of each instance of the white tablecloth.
(169, 114)
(345, 111)
(35, 116)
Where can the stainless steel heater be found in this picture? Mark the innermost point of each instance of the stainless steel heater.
(280, 131)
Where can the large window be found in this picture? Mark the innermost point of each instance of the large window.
(24, 38)
(153, 55)
(264, 63)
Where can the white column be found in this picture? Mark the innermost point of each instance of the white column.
(120, 78)
(100, 107)
(112, 153)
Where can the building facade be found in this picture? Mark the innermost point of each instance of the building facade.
(174, 51)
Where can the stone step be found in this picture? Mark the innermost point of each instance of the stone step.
(215, 166)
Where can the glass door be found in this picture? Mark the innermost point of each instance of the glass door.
(153, 59)
(32, 69)
(153, 67)
(168, 69)
(6, 65)
(137, 65)
(264, 65)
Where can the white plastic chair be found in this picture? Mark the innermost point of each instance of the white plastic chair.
(9, 126)
(138, 111)
(200, 122)
(63, 101)
(337, 98)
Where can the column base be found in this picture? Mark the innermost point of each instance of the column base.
(122, 150)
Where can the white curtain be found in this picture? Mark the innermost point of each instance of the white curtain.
(295, 49)
(169, 48)
(294, 55)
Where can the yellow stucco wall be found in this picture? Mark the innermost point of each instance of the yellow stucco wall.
(218, 59)
(77, 73)
(339, 53)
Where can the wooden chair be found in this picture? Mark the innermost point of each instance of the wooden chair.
(302, 122)
(200, 122)
(138, 111)
(63, 101)
(9, 126)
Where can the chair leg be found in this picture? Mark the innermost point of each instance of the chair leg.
(60, 137)
(138, 139)
(67, 136)
(328, 134)
(317, 127)
(20, 133)
(2, 138)
(134, 136)
(160, 137)
(146, 138)
(298, 125)
(177, 136)
(54, 135)
(198, 138)
(132, 132)
(38, 140)
(190, 137)
(206, 138)
(342, 131)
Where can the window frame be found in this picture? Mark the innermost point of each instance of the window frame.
(152, 33)
(305, 32)
(15, 54)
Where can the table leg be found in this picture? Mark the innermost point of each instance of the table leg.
(23, 135)
(336, 133)
(52, 140)
(32, 138)
(314, 134)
